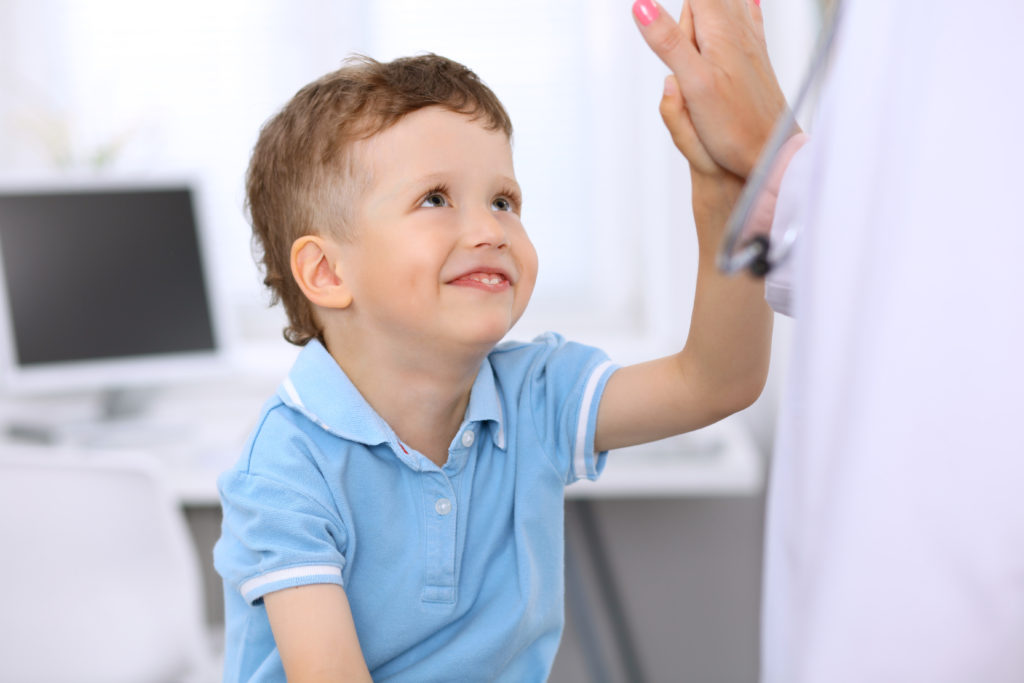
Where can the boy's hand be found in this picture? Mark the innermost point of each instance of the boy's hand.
(719, 58)
(676, 116)
(714, 189)
(677, 120)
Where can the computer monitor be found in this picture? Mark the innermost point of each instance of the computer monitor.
(103, 287)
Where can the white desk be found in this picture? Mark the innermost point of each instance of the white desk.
(721, 459)
(198, 432)
(718, 460)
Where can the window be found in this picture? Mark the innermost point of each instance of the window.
(133, 88)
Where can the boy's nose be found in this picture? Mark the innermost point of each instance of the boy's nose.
(484, 229)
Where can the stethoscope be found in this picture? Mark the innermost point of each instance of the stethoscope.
(758, 254)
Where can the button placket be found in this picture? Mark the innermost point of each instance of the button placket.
(441, 539)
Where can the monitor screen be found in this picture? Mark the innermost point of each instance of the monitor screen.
(109, 281)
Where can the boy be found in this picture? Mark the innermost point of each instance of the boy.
(398, 510)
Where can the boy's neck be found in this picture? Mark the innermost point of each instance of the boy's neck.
(422, 397)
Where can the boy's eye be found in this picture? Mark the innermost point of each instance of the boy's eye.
(502, 204)
(434, 200)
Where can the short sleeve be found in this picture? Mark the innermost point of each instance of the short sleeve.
(278, 529)
(560, 393)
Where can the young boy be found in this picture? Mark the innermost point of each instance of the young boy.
(398, 511)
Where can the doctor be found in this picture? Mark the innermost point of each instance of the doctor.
(895, 535)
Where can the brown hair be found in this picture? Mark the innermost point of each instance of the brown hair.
(303, 177)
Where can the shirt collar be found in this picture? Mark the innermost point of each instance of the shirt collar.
(318, 388)
(485, 403)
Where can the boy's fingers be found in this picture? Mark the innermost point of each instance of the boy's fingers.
(677, 119)
(665, 37)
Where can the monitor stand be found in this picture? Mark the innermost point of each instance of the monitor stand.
(182, 423)
(116, 404)
(81, 418)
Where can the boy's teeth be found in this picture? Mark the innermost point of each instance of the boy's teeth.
(487, 279)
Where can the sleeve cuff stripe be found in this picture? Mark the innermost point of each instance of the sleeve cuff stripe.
(253, 585)
(579, 464)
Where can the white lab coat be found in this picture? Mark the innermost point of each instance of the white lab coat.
(895, 534)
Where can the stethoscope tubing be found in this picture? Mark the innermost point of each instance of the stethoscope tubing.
(758, 254)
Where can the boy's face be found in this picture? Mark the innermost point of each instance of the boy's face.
(438, 254)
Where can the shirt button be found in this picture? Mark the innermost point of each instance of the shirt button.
(443, 506)
(468, 437)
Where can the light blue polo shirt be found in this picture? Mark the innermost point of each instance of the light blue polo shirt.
(453, 573)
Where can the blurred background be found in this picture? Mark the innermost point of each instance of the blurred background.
(130, 93)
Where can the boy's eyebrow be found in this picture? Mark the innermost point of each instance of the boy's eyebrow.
(512, 183)
(443, 177)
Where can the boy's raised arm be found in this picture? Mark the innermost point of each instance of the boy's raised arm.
(316, 635)
(724, 364)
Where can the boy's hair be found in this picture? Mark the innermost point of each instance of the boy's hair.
(303, 177)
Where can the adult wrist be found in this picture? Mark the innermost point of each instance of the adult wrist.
(763, 212)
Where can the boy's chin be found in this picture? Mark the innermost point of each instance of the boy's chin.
(486, 337)
(490, 340)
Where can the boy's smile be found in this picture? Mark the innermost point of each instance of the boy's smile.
(493, 282)
(438, 255)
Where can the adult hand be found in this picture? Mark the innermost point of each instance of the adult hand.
(730, 97)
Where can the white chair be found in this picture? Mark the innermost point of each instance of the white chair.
(99, 579)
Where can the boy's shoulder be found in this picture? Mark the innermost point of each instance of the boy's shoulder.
(277, 426)
(512, 350)
(521, 359)
(316, 409)
(547, 349)
(549, 359)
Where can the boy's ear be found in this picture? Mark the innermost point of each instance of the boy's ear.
(317, 270)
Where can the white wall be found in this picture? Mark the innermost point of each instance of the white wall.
(118, 87)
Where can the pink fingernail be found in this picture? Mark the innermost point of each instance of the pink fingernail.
(757, 2)
(645, 11)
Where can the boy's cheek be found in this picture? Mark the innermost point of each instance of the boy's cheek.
(527, 281)
(530, 265)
